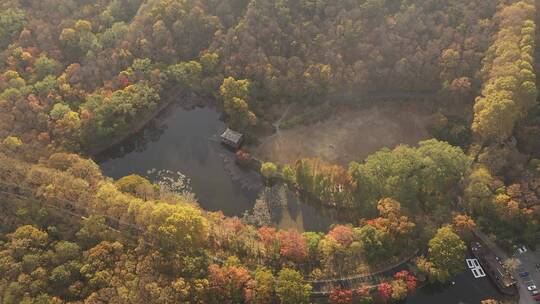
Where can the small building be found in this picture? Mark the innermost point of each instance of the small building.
(232, 138)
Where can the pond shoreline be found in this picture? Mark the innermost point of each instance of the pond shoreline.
(182, 146)
(190, 101)
(197, 100)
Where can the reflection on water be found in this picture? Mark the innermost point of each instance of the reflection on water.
(277, 204)
(186, 142)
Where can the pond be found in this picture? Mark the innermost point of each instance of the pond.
(184, 142)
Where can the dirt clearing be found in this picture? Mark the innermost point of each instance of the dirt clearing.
(350, 134)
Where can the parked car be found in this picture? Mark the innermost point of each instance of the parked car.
(521, 249)
(531, 287)
(523, 274)
(535, 292)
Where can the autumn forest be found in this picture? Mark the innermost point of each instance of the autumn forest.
(78, 77)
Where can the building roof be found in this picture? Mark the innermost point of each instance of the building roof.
(232, 136)
(503, 277)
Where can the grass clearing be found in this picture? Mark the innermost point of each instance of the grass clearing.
(349, 133)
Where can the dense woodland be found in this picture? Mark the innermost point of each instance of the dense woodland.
(76, 76)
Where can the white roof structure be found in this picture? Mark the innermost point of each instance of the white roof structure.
(232, 138)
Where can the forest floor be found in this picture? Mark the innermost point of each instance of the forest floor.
(349, 132)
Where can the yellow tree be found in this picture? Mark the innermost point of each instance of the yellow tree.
(234, 94)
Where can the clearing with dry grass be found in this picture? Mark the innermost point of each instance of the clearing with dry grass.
(350, 133)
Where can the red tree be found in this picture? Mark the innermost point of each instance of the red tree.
(402, 275)
(242, 157)
(268, 237)
(362, 291)
(385, 291)
(411, 284)
(229, 283)
(293, 245)
(408, 278)
(342, 234)
(340, 296)
(235, 225)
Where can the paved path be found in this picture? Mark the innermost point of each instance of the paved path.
(528, 261)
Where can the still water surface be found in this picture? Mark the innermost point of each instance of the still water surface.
(187, 141)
